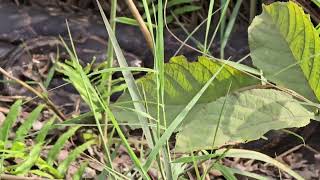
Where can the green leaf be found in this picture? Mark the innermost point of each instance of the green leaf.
(186, 9)
(10, 119)
(42, 174)
(225, 171)
(44, 130)
(129, 21)
(54, 151)
(18, 146)
(44, 166)
(169, 6)
(177, 2)
(183, 80)
(27, 124)
(80, 171)
(24, 167)
(62, 168)
(286, 46)
(246, 116)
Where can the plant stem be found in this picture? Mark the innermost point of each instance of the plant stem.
(142, 25)
(108, 76)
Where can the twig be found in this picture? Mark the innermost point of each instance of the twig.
(146, 33)
(289, 151)
(43, 97)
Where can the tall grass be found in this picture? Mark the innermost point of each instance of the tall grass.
(157, 138)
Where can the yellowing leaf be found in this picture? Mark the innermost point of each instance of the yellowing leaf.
(286, 46)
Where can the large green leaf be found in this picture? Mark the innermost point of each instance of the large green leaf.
(245, 116)
(183, 80)
(286, 46)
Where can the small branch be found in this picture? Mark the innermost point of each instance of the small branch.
(146, 33)
(31, 89)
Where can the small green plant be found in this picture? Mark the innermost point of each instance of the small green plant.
(28, 156)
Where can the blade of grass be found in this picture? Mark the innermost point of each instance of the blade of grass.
(80, 171)
(44, 130)
(54, 151)
(248, 154)
(170, 4)
(129, 21)
(27, 124)
(189, 159)
(210, 12)
(190, 35)
(195, 165)
(221, 20)
(225, 171)
(12, 116)
(229, 27)
(82, 83)
(63, 166)
(126, 144)
(177, 121)
(220, 115)
(248, 174)
(41, 174)
(107, 77)
(115, 69)
(159, 62)
(31, 159)
(149, 21)
(88, 91)
(185, 9)
(132, 87)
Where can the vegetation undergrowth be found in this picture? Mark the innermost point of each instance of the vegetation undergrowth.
(208, 105)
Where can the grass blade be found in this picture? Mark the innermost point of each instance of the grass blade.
(54, 151)
(30, 161)
(44, 166)
(248, 154)
(220, 23)
(132, 87)
(41, 174)
(10, 119)
(27, 124)
(80, 171)
(177, 121)
(210, 12)
(225, 171)
(189, 159)
(229, 27)
(83, 85)
(62, 168)
(246, 173)
(44, 130)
